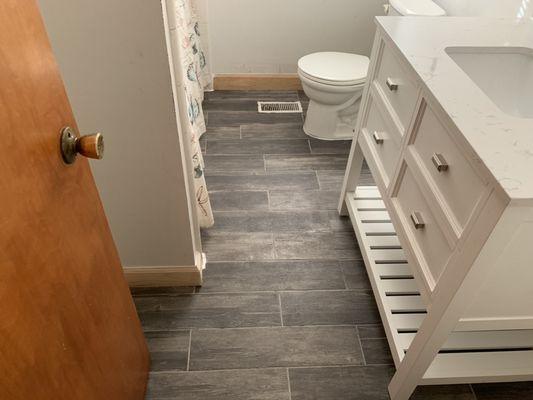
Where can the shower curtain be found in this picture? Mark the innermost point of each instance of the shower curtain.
(193, 77)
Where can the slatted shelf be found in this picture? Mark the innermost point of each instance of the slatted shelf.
(468, 357)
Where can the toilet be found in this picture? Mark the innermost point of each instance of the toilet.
(334, 81)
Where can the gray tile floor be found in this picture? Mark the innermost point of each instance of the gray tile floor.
(286, 311)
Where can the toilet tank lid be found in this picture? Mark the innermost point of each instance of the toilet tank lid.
(335, 67)
(425, 8)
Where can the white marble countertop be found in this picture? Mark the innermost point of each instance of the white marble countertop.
(504, 143)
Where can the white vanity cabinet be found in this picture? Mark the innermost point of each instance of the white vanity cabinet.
(448, 251)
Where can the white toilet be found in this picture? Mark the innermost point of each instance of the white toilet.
(334, 81)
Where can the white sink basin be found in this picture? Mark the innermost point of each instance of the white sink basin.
(504, 74)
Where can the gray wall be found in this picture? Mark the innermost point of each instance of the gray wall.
(114, 61)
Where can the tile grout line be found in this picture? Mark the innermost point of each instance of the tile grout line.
(360, 345)
(289, 384)
(189, 350)
(473, 391)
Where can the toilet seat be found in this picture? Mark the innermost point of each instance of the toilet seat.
(334, 68)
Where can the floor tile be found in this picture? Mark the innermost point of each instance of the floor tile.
(504, 391)
(307, 245)
(355, 274)
(377, 351)
(340, 383)
(273, 347)
(338, 223)
(222, 133)
(264, 146)
(273, 131)
(276, 221)
(256, 384)
(256, 95)
(304, 199)
(168, 350)
(278, 275)
(296, 181)
(450, 392)
(329, 308)
(238, 118)
(330, 180)
(330, 146)
(251, 164)
(239, 201)
(312, 162)
(230, 105)
(371, 331)
(224, 246)
(209, 311)
(161, 291)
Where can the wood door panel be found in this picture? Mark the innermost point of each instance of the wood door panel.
(68, 326)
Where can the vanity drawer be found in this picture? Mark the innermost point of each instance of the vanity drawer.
(426, 238)
(381, 138)
(456, 181)
(395, 82)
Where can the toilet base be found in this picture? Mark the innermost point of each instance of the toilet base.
(330, 122)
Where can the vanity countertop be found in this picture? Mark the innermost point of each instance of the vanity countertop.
(504, 143)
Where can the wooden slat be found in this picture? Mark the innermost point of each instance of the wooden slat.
(375, 205)
(365, 192)
(407, 322)
(393, 271)
(397, 287)
(374, 216)
(388, 255)
(406, 304)
(383, 242)
(379, 228)
(480, 367)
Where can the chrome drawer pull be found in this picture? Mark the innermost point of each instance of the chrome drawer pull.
(391, 85)
(440, 162)
(418, 222)
(377, 138)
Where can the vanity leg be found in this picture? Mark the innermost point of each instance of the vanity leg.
(353, 172)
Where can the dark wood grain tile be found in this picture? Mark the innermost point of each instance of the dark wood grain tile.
(161, 291)
(273, 131)
(377, 351)
(277, 275)
(275, 221)
(248, 164)
(208, 311)
(264, 146)
(304, 199)
(338, 223)
(330, 180)
(504, 391)
(295, 181)
(222, 133)
(330, 146)
(256, 384)
(307, 245)
(238, 118)
(355, 274)
(311, 162)
(450, 392)
(371, 331)
(168, 350)
(239, 201)
(341, 383)
(329, 308)
(255, 95)
(274, 347)
(230, 105)
(225, 246)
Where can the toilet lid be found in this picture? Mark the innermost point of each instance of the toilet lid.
(345, 68)
(425, 8)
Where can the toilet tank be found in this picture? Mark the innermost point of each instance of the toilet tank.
(487, 8)
(415, 8)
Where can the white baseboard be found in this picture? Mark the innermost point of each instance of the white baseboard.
(161, 276)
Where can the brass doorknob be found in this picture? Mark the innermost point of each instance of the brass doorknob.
(91, 146)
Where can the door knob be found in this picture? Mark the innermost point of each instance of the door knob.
(91, 146)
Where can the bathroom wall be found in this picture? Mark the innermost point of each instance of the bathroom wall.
(114, 61)
(496, 8)
(258, 36)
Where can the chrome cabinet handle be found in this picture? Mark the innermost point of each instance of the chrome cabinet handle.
(392, 85)
(440, 162)
(418, 222)
(377, 138)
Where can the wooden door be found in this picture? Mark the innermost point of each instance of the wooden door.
(68, 325)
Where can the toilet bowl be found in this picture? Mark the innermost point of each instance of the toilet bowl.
(334, 81)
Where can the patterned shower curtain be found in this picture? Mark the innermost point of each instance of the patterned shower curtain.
(195, 77)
